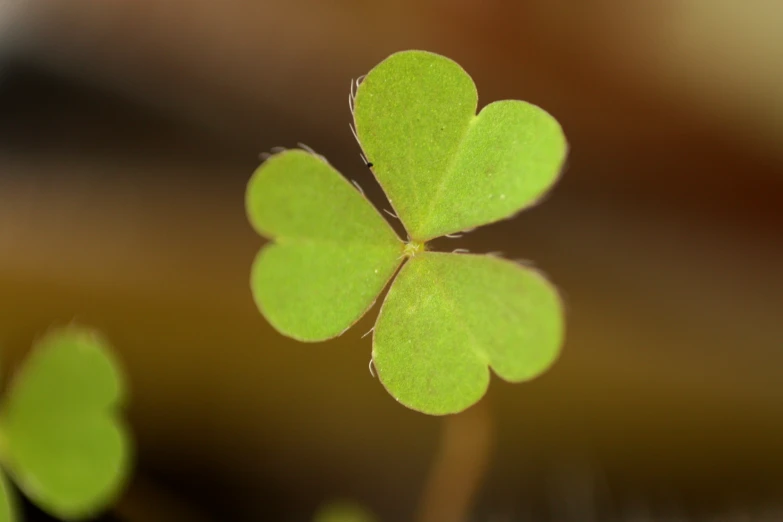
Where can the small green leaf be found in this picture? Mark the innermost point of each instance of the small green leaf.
(343, 511)
(7, 501)
(65, 446)
(447, 317)
(444, 168)
(332, 255)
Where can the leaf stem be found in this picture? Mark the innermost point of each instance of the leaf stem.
(463, 456)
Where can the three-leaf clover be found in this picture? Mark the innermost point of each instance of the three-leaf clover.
(61, 440)
(447, 317)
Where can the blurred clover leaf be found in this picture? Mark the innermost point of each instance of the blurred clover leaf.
(343, 511)
(447, 317)
(7, 507)
(61, 439)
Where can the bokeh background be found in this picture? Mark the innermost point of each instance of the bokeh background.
(129, 128)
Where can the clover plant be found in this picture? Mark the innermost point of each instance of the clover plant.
(61, 439)
(447, 317)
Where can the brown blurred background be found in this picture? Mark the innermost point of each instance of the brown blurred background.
(128, 129)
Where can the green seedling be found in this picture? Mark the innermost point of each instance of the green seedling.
(61, 439)
(447, 317)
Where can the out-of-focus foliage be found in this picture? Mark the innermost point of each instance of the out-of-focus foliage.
(63, 442)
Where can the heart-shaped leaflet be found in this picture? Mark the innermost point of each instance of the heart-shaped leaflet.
(444, 168)
(332, 252)
(447, 317)
(64, 444)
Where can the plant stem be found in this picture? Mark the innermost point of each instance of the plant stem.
(464, 452)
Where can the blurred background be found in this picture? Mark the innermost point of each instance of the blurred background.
(128, 130)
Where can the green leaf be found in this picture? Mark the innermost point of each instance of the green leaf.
(7, 502)
(343, 511)
(332, 255)
(65, 446)
(444, 168)
(447, 317)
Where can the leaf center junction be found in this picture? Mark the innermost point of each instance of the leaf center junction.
(412, 248)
